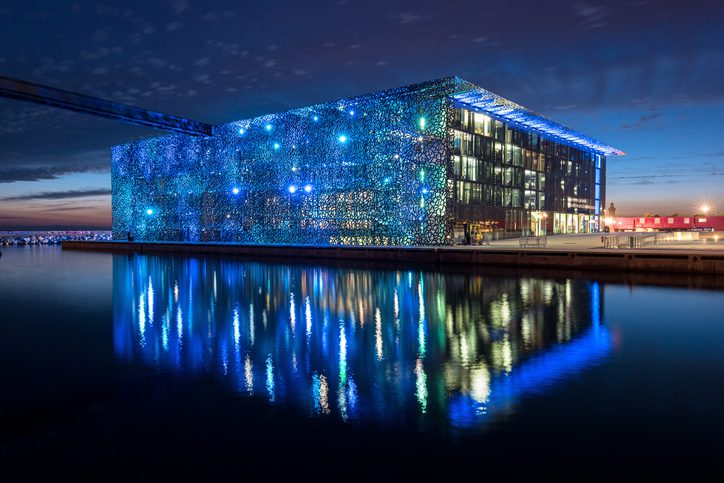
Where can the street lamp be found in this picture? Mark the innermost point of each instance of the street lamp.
(704, 209)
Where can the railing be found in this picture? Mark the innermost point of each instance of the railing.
(641, 240)
(533, 242)
(677, 237)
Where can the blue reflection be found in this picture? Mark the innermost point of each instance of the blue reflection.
(368, 345)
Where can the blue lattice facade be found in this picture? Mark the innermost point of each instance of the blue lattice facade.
(379, 169)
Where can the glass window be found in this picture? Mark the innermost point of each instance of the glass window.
(508, 177)
(499, 131)
(487, 152)
(457, 166)
(470, 168)
(528, 159)
(498, 152)
(507, 197)
(482, 124)
(517, 157)
(487, 172)
(498, 175)
(475, 192)
(516, 200)
(497, 196)
(464, 116)
(457, 141)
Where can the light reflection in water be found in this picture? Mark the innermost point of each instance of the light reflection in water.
(452, 350)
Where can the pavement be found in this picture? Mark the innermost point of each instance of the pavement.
(593, 241)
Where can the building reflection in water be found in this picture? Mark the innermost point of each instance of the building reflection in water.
(385, 346)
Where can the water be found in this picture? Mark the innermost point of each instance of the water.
(172, 362)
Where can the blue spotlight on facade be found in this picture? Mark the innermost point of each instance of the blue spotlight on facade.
(242, 131)
(386, 180)
(342, 139)
(149, 211)
(277, 145)
(235, 190)
(351, 112)
(268, 127)
(292, 189)
(315, 118)
(308, 188)
(425, 191)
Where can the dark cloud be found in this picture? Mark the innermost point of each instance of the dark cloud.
(72, 208)
(641, 121)
(59, 195)
(662, 178)
(10, 174)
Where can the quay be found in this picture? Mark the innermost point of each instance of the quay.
(676, 260)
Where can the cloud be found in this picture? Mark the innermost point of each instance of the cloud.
(641, 121)
(12, 174)
(60, 195)
(180, 6)
(174, 26)
(591, 15)
(72, 208)
(660, 178)
(407, 17)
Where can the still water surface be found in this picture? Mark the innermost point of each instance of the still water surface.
(459, 357)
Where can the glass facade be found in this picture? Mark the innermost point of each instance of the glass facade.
(511, 181)
(407, 166)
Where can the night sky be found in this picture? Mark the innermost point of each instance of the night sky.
(644, 76)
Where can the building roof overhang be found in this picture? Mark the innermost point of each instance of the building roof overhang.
(481, 100)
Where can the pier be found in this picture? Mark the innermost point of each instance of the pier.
(597, 259)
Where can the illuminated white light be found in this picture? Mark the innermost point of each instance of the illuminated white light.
(315, 118)
(308, 188)
(149, 211)
(342, 139)
(235, 190)
(422, 123)
(386, 180)
(242, 130)
(277, 145)
(268, 127)
(425, 191)
(351, 113)
(292, 189)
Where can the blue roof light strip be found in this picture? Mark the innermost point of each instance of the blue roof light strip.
(481, 100)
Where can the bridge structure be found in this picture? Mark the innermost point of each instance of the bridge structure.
(50, 96)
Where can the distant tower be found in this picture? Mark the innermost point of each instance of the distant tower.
(611, 210)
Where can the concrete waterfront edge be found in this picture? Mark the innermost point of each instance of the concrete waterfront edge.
(679, 261)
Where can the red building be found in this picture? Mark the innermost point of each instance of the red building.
(666, 223)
